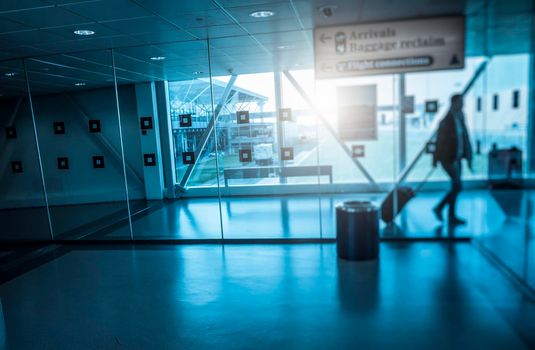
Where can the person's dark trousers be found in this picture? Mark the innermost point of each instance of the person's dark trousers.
(453, 170)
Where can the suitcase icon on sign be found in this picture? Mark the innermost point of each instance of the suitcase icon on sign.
(340, 43)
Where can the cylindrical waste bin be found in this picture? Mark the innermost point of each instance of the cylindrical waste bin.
(357, 230)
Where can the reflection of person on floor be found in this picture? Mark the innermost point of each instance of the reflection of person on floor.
(452, 145)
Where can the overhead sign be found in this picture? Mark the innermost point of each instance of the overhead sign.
(389, 47)
(357, 112)
(407, 104)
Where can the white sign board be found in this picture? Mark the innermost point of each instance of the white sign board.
(407, 104)
(357, 112)
(389, 47)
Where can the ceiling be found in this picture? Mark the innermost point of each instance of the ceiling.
(57, 59)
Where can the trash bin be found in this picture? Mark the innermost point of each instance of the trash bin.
(357, 230)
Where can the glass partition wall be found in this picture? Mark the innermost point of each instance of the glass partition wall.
(266, 145)
(22, 194)
(165, 103)
(184, 141)
(77, 125)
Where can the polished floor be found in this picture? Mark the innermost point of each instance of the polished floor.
(417, 296)
(295, 216)
(501, 221)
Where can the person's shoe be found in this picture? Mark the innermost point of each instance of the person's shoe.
(438, 214)
(456, 221)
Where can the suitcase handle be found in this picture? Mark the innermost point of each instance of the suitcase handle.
(421, 185)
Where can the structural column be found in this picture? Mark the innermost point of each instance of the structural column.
(278, 122)
(147, 112)
(402, 125)
(166, 137)
(531, 103)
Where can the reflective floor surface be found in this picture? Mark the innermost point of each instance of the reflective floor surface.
(295, 216)
(501, 221)
(417, 296)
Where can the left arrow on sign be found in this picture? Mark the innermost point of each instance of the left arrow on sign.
(324, 38)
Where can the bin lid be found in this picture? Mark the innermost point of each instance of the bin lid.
(355, 206)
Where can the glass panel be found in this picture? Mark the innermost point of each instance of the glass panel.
(358, 139)
(78, 128)
(21, 187)
(267, 142)
(166, 130)
(506, 126)
(432, 89)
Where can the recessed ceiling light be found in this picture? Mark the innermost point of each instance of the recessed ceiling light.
(80, 84)
(84, 32)
(158, 58)
(284, 47)
(10, 74)
(262, 14)
(197, 72)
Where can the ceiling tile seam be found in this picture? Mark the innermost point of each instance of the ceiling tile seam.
(93, 50)
(224, 10)
(110, 66)
(164, 19)
(137, 59)
(301, 25)
(104, 23)
(65, 77)
(7, 19)
(93, 21)
(72, 68)
(27, 9)
(90, 21)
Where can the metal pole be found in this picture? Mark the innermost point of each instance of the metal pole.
(39, 158)
(402, 125)
(278, 122)
(214, 126)
(209, 128)
(329, 128)
(122, 146)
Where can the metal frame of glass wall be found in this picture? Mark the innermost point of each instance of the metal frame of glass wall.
(123, 100)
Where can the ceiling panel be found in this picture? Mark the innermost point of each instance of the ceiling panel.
(47, 17)
(231, 30)
(67, 32)
(89, 44)
(198, 19)
(103, 11)
(141, 25)
(9, 26)
(258, 4)
(30, 37)
(276, 26)
(162, 37)
(282, 10)
(25, 51)
(170, 7)
(140, 29)
(14, 5)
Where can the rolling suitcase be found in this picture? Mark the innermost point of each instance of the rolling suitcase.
(505, 168)
(400, 195)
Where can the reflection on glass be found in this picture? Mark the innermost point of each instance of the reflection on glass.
(169, 138)
(21, 187)
(74, 105)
